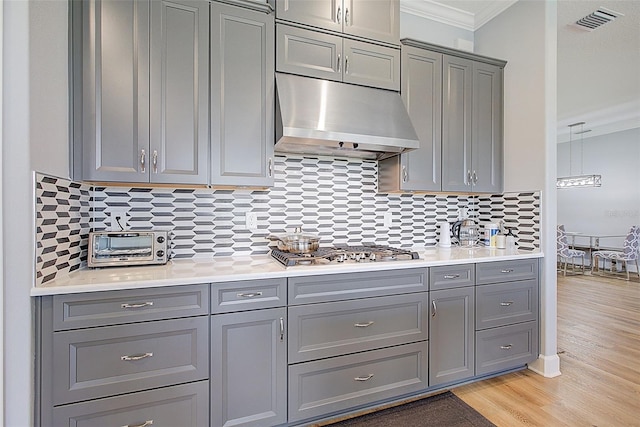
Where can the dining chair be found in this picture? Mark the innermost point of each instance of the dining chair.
(566, 253)
(628, 253)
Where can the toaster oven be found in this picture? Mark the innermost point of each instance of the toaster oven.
(123, 248)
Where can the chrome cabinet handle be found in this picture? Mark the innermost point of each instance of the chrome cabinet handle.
(249, 295)
(468, 178)
(339, 69)
(475, 178)
(506, 347)
(135, 357)
(506, 303)
(346, 64)
(339, 15)
(507, 271)
(451, 276)
(282, 329)
(363, 325)
(270, 167)
(144, 424)
(155, 161)
(143, 160)
(367, 378)
(434, 309)
(346, 16)
(405, 174)
(136, 305)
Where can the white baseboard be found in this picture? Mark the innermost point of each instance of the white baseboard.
(547, 366)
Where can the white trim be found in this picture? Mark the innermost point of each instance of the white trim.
(616, 118)
(547, 366)
(449, 15)
(1, 228)
(488, 13)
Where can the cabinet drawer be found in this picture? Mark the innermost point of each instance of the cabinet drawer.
(451, 276)
(506, 303)
(99, 362)
(308, 53)
(371, 65)
(326, 386)
(116, 307)
(332, 329)
(334, 287)
(248, 295)
(183, 405)
(506, 347)
(505, 271)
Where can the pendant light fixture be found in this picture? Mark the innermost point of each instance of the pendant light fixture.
(577, 181)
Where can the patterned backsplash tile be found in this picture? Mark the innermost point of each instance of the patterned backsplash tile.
(333, 198)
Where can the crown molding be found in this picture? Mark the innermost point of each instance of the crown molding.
(613, 119)
(452, 16)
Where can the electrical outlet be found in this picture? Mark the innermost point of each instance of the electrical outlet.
(388, 220)
(118, 218)
(251, 221)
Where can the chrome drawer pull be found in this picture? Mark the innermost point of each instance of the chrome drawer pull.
(506, 347)
(510, 270)
(435, 309)
(506, 303)
(363, 325)
(367, 378)
(249, 295)
(451, 276)
(282, 329)
(136, 305)
(135, 357)
(144, 424)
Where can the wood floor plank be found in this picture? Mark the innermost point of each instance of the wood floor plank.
(599, 349)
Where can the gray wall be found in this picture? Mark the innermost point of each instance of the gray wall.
(614, 207)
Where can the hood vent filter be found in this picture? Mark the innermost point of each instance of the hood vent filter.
(597, 19)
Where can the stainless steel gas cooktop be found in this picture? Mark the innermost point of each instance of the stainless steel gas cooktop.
(344, 253)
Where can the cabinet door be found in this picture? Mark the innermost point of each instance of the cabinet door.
(309, 53)
(422, 95)
(456, 124)
(179, 91)
(242, 96)
(451, 335)
(249, 368)
(115, 91)
(325, 14)
(373, 19)
(487, 146)
(371, 65)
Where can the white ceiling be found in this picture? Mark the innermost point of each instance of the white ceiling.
(598, 71)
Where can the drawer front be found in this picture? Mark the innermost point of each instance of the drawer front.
(335, 287)
(248, 295)
(330, 385)
(100, 362)
(506, 347)
(183, 405)
(506, 271)
(506, 303)
(451, 276)
(84, 310)
(371, 65)
(332, 329)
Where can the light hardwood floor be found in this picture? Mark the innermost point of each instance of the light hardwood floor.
(599, 347)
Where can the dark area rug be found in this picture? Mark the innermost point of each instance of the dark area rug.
(445, 410)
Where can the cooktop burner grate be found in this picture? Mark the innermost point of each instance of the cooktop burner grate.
(344, 253)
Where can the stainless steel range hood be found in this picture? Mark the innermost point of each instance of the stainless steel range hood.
(337, 119)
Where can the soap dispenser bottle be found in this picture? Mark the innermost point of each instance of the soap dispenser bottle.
(511, 239)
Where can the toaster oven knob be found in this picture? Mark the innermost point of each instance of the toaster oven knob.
(160, 239)
(160, 254)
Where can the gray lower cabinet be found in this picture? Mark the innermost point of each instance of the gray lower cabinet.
(377, 20)
(418, 170)
(451, 335)
(145, 84)
(185, 405)
(242, 96)
(331, 57)
(249, 353)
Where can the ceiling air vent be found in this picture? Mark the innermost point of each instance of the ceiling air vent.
(597, 19)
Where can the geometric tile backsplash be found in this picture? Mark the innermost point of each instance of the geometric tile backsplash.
(334, 198)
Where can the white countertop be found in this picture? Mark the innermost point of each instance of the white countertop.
(227, 269)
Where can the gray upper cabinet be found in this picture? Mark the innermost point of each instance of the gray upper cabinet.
(145, 85)
(242, 96)
(377, 20)
(418, 170)
(331, 57)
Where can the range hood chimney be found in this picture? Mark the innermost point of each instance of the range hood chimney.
(338, 119)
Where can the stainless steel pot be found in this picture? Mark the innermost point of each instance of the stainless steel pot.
(297, 242)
